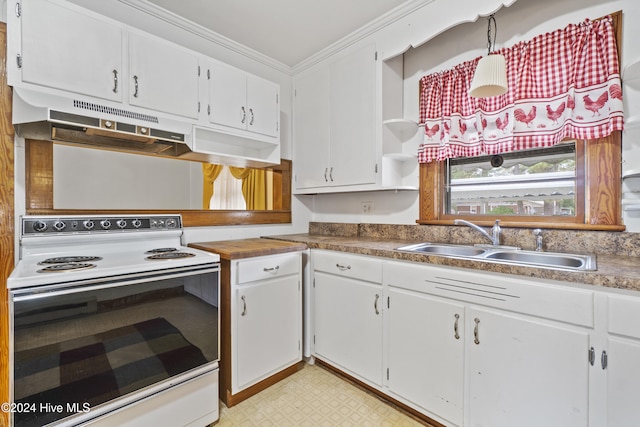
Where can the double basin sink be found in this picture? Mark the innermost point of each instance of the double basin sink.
(506, 255)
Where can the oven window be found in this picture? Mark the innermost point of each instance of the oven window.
(75, 351)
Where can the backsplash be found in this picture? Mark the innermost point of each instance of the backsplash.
(598, 242)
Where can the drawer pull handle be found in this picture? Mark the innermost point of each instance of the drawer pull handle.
(475, 331)
(455, 327)
(115, 81)
(343, 267)
(375, 304)
(592, 356)
(244, 306)
(273, 270)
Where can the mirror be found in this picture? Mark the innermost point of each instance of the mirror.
(134, 183)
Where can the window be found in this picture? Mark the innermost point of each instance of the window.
(532, 182)
(596, 204)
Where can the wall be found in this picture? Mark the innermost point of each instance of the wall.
(521, 21)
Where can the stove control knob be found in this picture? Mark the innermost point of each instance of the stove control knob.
(136, 223)
(88, 224)
(106, 224)
(121, 223)
(59, 225)
(171, 223)
(39, 226)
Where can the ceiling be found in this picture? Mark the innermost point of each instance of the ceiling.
(288, 31)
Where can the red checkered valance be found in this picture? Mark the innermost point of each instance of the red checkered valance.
(563, 84)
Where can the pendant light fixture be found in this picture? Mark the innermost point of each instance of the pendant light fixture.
(490, 78)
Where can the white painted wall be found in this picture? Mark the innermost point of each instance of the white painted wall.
(521, 21)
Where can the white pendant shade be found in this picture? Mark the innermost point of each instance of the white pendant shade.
(490, 78)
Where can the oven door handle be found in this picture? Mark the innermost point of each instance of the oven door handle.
(37, 292)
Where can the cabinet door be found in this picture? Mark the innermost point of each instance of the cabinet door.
(426, 352)
(623, 382)
(227, 96)
(311, 129)
(163, 76)
(64, 48)
(525, 372)
(263, 106)
(353, 118)
(348, 324)
(269, 326)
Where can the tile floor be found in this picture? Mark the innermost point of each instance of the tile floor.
(313, 397)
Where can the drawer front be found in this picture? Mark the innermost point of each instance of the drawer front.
(624, 315)
(534, 297)
(347, 265)
(268, 267)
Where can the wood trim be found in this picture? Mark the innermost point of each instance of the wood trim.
(418, 416)
(603, 186)
(39, 195)
(7, 218)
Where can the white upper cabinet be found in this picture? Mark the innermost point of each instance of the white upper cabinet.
(62, 48)
(242, 101)
(162, 76)
(335, 124)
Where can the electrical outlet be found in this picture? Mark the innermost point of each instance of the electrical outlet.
(367, 207)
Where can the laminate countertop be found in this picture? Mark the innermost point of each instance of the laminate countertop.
(613, 271)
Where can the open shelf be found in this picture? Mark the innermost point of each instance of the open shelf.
(405, 129)
(633, 173)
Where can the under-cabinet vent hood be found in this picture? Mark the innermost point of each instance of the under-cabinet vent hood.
(50, 117)
(45, 116)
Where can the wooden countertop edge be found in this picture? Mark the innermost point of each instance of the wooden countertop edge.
(248, 248)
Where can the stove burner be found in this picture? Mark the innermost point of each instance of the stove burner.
(169, 255)
(161, 250)
(69, 259)
(57, 268)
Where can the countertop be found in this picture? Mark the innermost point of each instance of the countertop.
(613, 271)
(248, 248)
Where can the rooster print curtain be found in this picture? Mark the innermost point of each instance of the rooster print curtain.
(564, 84)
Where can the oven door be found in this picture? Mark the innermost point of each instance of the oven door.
(82, 349)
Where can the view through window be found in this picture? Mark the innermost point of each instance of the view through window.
(539, 182)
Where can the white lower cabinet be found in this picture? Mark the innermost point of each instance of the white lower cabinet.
(348, 306)
(525, 371)
(266, 317)
(426, 352)
(620, 360)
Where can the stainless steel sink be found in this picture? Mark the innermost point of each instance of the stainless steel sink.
(444, 250)
(506, 255)
(546, 259)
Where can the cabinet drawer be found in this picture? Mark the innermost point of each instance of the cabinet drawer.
(624, 315)
(530, 296)
(267, 267)
(347, 265)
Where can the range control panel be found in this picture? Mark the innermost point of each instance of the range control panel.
(44, 225)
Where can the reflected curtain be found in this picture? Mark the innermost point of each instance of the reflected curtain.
(254, 188)
(563, 84)
(210, 173)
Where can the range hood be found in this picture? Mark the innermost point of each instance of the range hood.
(93, 124)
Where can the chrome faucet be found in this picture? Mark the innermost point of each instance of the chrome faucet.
(537, 233)
(495, 230)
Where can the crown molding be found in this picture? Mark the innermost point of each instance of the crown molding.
(205, 33)
(209, 35)
(377, 24)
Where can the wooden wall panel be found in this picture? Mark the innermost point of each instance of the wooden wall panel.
(7, 209)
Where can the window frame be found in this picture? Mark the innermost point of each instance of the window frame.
(598, 192)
